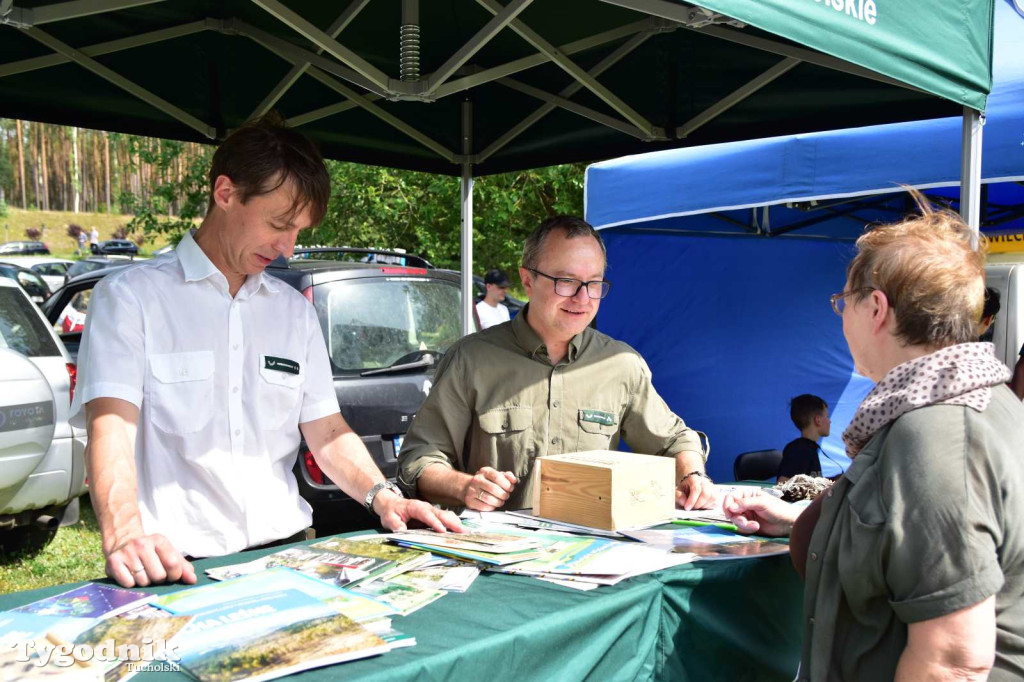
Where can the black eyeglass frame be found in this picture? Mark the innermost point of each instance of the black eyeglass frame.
(835, 299)
(605, 284)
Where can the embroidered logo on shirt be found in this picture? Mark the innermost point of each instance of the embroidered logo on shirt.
(598, 417)
(281, 364)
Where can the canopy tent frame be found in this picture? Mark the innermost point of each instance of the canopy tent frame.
(340, 68)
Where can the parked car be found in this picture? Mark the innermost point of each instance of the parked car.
(33, 284)
(121, 247)
(42, 458)
(54, 271)
(95, 263)
(385, 325)
(24, 248)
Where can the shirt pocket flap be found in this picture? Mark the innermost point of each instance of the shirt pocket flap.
(506, 419)
(172, 368)
(274, 376)
(586, 421)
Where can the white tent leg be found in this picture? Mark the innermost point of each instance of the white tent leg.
(970, 171)
(468, 326)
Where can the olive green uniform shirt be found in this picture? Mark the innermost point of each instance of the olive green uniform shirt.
(497, 401)
(928, 520)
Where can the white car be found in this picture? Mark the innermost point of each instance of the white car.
(54, 271)
(42, 458)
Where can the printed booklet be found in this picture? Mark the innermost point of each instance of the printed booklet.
(270, 635)
(91, 600)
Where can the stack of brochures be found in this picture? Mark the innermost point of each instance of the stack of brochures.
(497, 549)
(93, 632)
(574, 561)
(289, 614)
(405, 579)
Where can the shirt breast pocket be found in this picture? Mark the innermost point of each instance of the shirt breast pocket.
(182, 391)
(596, 430)
(280, 396)
(509, 437)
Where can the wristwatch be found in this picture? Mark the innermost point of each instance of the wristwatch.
(372, 495)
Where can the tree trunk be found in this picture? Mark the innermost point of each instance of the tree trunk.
(42, 160)
(21, 164)
(106, 165)
(76, 179)
(36, 154)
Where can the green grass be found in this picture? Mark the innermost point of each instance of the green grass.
(14, 224)
(74, 555)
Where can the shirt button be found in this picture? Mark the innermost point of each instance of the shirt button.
(554, 441)
(814, 556)
(235, 389)
(811, 620)
(234, 347)
(554, 404)
(238, 432)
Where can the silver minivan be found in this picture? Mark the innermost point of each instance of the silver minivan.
(42, 458)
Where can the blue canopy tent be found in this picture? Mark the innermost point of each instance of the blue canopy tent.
(723, 256)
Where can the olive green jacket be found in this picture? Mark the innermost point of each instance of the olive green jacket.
(497, 401)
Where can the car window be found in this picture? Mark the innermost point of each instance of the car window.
(373, 323)
(72, 318)
(21, 328)
(55, 269)
(33, 283)
(83, 266)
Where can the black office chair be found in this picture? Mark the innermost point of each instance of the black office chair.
(759, 465)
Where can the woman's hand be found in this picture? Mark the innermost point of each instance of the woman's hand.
(756, 512)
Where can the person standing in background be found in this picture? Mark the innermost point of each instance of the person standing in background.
(490, 309)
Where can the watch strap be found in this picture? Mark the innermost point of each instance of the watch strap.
(372, 494)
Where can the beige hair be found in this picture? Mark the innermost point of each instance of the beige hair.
(933, 278)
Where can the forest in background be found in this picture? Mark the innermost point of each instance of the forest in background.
(162, 186)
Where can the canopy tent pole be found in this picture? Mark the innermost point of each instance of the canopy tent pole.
(467, 220)
(970, 171)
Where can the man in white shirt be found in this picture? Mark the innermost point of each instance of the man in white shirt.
(490, 310)
(197, 371)
(94, 239)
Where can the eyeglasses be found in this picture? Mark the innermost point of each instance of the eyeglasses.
(839, 300)
(569, 287)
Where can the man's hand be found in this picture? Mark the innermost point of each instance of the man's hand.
(396, 512)
(695, 492)
(148, 560)
(755, 512)
(488, 489)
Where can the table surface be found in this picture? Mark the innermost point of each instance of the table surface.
(735, 619)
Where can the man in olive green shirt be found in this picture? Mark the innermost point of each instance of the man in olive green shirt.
(544, 383)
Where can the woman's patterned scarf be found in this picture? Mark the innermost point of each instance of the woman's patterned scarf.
(956, 375)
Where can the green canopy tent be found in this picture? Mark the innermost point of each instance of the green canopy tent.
(473, 87)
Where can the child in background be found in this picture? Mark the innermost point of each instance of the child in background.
(988, 314)
(809, 414)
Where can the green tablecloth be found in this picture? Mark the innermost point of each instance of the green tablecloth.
(732, 619)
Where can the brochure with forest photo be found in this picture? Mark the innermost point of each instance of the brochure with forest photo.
(378, 547)
(335, 568)
(266, 636)
(474, 540)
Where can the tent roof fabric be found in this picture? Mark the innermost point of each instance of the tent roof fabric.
(664, 77)
(819, 166)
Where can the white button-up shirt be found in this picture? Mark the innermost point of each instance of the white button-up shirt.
(221, 384)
